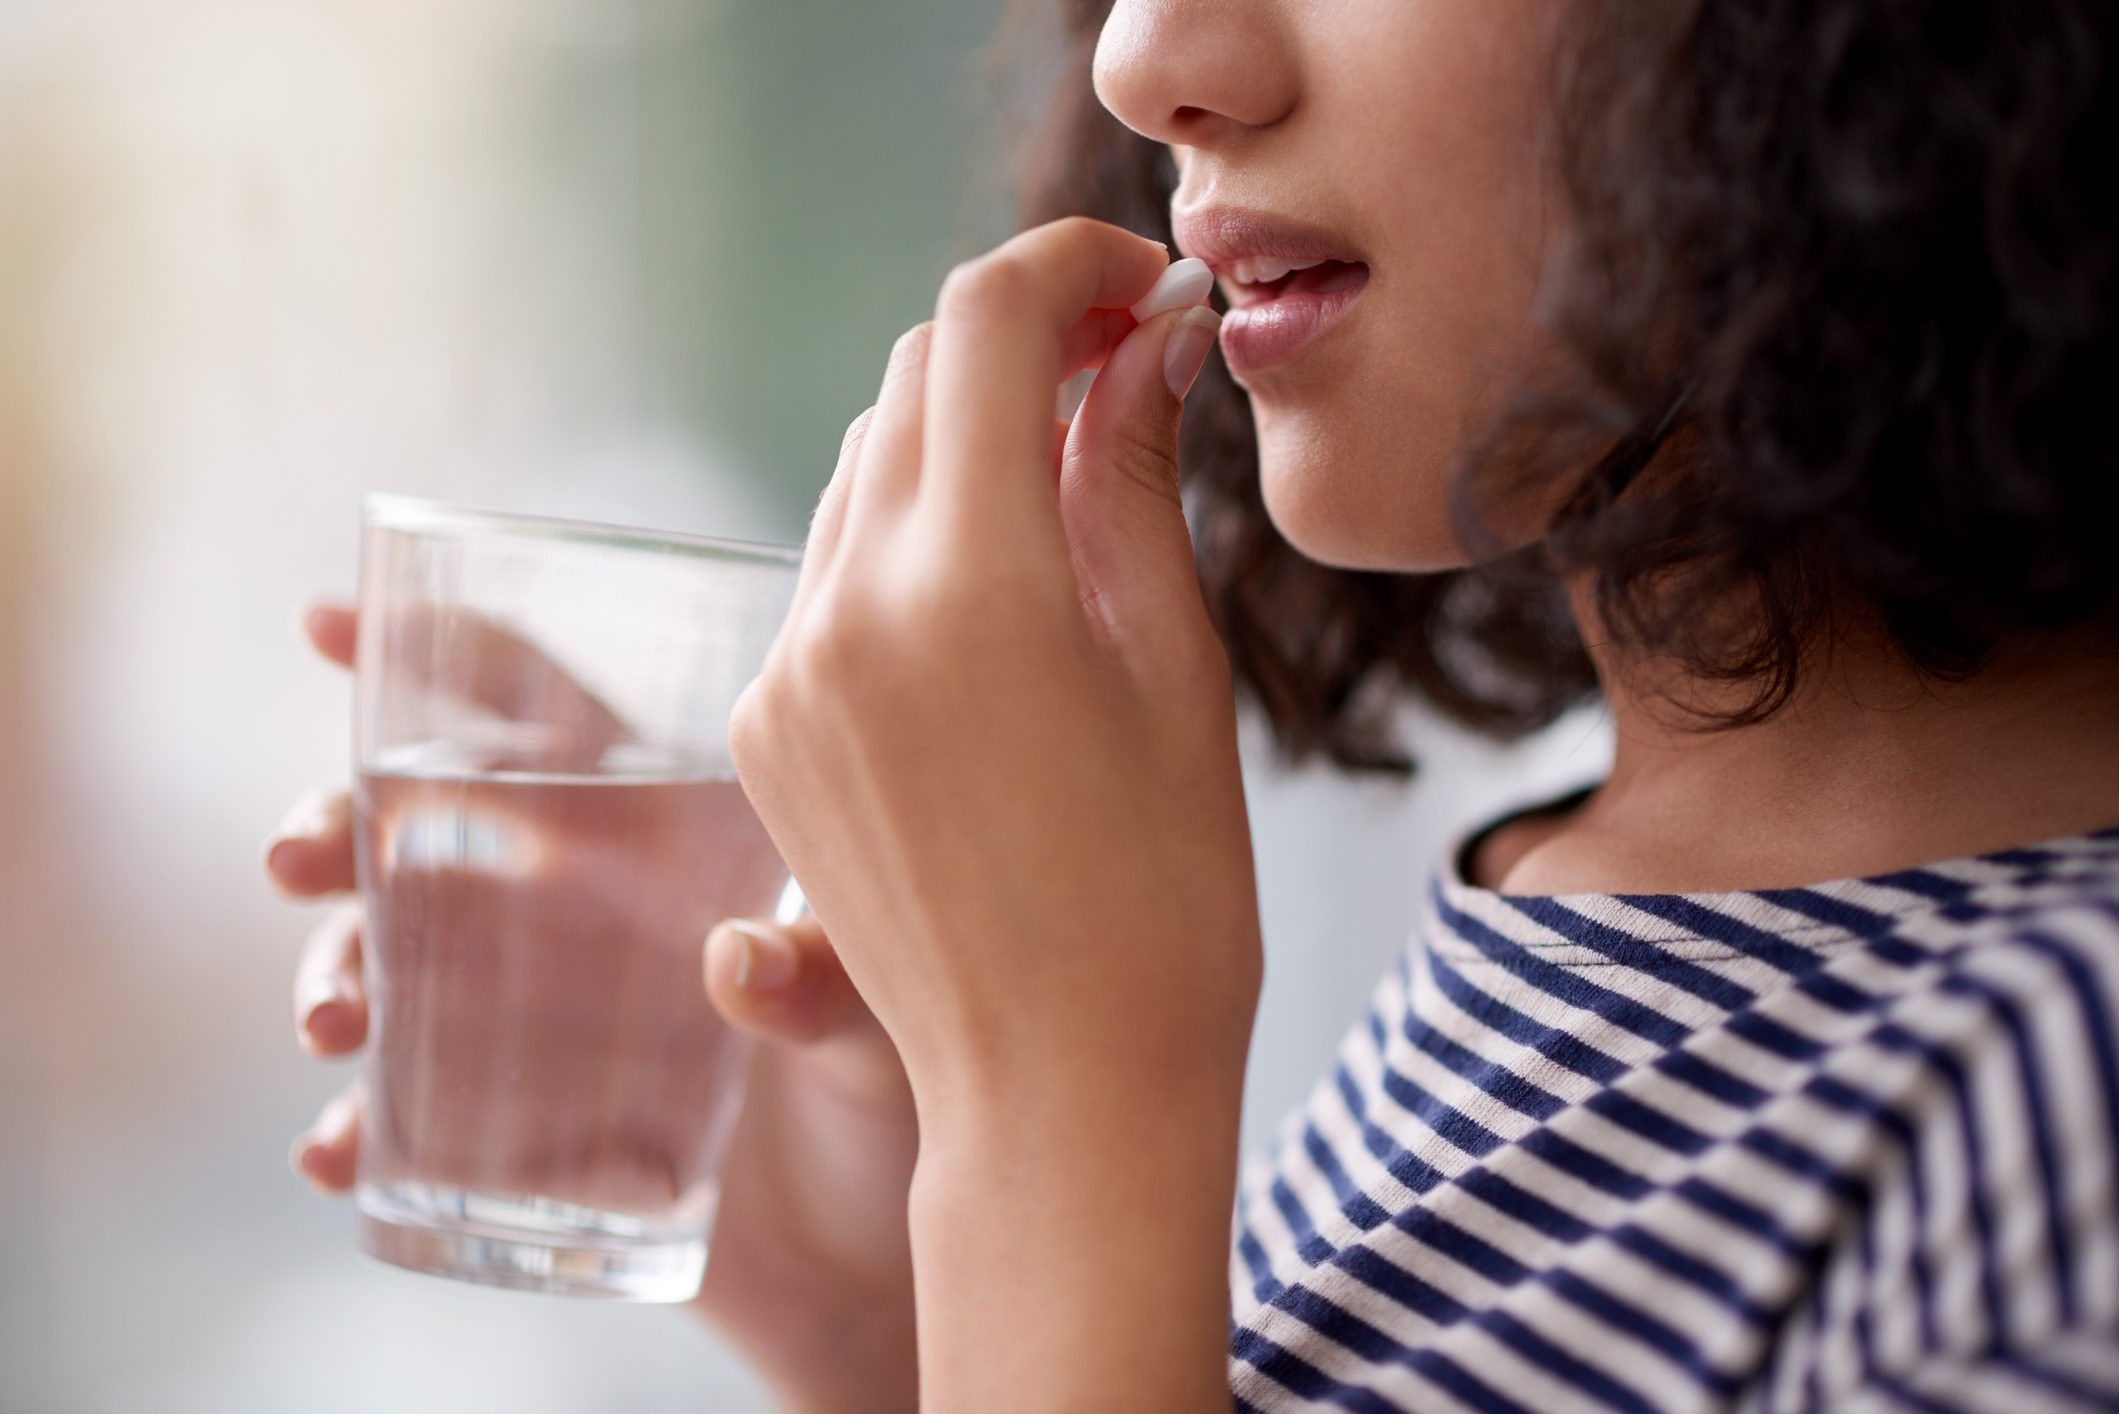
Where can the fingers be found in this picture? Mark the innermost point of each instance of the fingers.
(1119, 492)
(830, 517)
(330, 627)
(330, 1005)
(782, 983)
(311, 853)
(851, 494)
(1093, 337)
(1124, 435)
(1001, 327)
(890, 459)
(464, 654)
(827, 523)
(328, 1152)
(893, 425)
(460, 652)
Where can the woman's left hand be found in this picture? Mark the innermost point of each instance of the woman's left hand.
(996, 743)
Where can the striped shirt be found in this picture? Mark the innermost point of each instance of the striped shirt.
(1847, 1147)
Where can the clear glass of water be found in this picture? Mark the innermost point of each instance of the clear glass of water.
(549, 823)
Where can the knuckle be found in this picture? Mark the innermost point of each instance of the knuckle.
(815, 656)
(343, 923)
(907, 362)
(1078, 227)
(991, 284)
(835, 649)
(972, 612)
(829, 503)
(910, 347)
(748, 726)
(955, 289)
(936, 598)
(1141, 455)
(327, 941)
(855, 431)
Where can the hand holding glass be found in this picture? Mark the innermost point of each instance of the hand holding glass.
(548, 826)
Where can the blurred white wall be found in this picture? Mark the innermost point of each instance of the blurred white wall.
(257, 256)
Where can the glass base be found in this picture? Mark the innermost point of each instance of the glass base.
(527, 1244)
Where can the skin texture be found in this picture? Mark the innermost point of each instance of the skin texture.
(1417, 131)
(995, 742)
(1413, 131)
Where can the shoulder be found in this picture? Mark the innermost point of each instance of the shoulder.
(2050, 924)
(2030, 974)
(1981, 1058)
(2013, 1043)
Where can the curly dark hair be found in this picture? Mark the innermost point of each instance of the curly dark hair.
(1839, 276)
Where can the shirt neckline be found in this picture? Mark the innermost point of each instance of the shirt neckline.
(1851, 906)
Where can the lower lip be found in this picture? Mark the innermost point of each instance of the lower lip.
(1259, 335)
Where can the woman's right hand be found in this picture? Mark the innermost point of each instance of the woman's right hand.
(811, 1272)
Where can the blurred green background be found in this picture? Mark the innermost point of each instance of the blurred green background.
(795, 178)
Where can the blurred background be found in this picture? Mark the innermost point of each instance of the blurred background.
(636, 260)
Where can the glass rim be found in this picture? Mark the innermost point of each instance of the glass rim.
(388, 510)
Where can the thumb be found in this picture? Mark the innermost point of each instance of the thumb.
(782, 981)
(1119, 477)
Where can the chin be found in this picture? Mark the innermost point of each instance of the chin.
(1353, 506)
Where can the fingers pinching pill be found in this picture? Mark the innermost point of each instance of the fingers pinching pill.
(1186, 282)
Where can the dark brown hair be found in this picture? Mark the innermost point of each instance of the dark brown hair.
(1856, 259)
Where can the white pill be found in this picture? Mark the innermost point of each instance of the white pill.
(1186, 282)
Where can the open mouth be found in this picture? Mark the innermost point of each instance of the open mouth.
(1280, 305)
(1255, 279)
(1287, 282)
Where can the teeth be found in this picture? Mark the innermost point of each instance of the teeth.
(1265, 269)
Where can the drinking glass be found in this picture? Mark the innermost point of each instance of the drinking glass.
(548, 824)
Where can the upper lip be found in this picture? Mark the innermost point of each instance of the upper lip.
(1223, 235)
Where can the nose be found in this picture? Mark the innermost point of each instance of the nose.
(1192, 73)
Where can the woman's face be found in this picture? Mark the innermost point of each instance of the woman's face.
(1401, 141)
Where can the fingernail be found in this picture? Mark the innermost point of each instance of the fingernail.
(308, 820)
(1184, 282)
(765, 961)
(1186, 352)
(328, 1019)
(310, 1165)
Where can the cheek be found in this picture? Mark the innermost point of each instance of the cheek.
(1358, 488)
(1434, 147)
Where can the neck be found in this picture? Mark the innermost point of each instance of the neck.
(1872, 766)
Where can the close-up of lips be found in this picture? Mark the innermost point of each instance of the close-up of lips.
(1285, 283)
(1059, 706)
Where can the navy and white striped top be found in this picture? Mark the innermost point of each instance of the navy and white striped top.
(1846, 1147)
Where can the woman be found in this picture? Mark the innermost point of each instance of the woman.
(1755, 356)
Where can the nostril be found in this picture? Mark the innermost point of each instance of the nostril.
(1190, 125)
